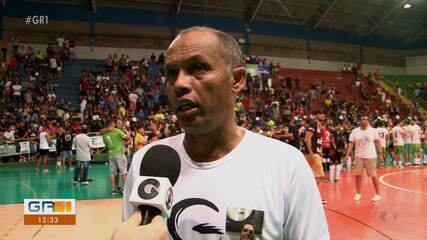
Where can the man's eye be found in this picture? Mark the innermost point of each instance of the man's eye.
(171, 75)
(198, 68)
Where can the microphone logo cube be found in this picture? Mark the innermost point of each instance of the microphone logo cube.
(153, 191)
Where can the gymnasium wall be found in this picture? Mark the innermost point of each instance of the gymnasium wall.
(416, 65)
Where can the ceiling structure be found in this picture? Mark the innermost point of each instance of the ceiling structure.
(385, 18)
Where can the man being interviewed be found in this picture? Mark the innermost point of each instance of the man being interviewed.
(204, 73)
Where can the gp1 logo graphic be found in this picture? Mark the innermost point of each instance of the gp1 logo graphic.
(149, 189)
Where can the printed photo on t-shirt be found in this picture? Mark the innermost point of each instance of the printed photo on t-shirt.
(244, 224)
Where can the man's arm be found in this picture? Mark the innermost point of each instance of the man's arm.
(304, 216)
(349, 149)
(379, 148)
(308, 144)
(107, 129)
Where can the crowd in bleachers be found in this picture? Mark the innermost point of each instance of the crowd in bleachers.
(135, 92)
(27, 78)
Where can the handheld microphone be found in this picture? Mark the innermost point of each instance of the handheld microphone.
(152, 190)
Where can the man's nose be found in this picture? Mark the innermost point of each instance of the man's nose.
(182, 84)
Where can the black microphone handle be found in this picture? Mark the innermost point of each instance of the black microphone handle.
(148, 213)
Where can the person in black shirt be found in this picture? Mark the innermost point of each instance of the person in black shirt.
(312, 146)
(293, 137)
(66, 139)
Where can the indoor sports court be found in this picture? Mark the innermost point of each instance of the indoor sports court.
(215, 119)
(397, 216)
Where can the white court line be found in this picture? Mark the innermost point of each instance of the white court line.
(400, 188)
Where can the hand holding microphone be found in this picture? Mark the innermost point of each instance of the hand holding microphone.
(152, 195)
(131, 229)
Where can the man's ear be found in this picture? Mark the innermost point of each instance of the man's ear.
(239, 79)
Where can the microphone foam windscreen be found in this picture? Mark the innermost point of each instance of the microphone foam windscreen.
(161, 161)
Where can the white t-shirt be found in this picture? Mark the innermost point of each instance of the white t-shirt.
(416, 133)
(53, 63)
(60, 41)
(260, 174)
(382, 133)
(82, 143)
(407, 137)
(364, 141)
(397, 135)
(44, 144)
(9, 135)
(17, 89)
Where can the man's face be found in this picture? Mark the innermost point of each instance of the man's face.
(247, 233)
(199, 82)
(119, 124)
(321, 118)
(364, 121)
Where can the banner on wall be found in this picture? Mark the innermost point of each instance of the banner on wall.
(14, 148)
(258, 70)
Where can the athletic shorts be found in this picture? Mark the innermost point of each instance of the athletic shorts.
(316, 165)
(336, 158)
(407, 148)
(326, 155)
(67, 153)
(370, 164)
(425, 148)
(416, 147)
(43, 152)
(118, 164)
(398, 149)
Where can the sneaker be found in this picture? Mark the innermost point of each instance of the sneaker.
(376, 198)
(85, 183)
(113, 192)
(45, 170)
(357, 197)
(75, 182)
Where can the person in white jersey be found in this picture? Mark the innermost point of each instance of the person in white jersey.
(365, 139)
(416, 133)
(44, 140)
(224, 166)
(383, 134)
(407, 142)
(397, 134)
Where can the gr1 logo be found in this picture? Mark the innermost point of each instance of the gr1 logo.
(149, 188)
(49, 206)
(49, 211)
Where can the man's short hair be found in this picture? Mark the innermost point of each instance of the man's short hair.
(249, 223)
(229, 47)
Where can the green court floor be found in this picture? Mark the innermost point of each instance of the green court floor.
(21, 180)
